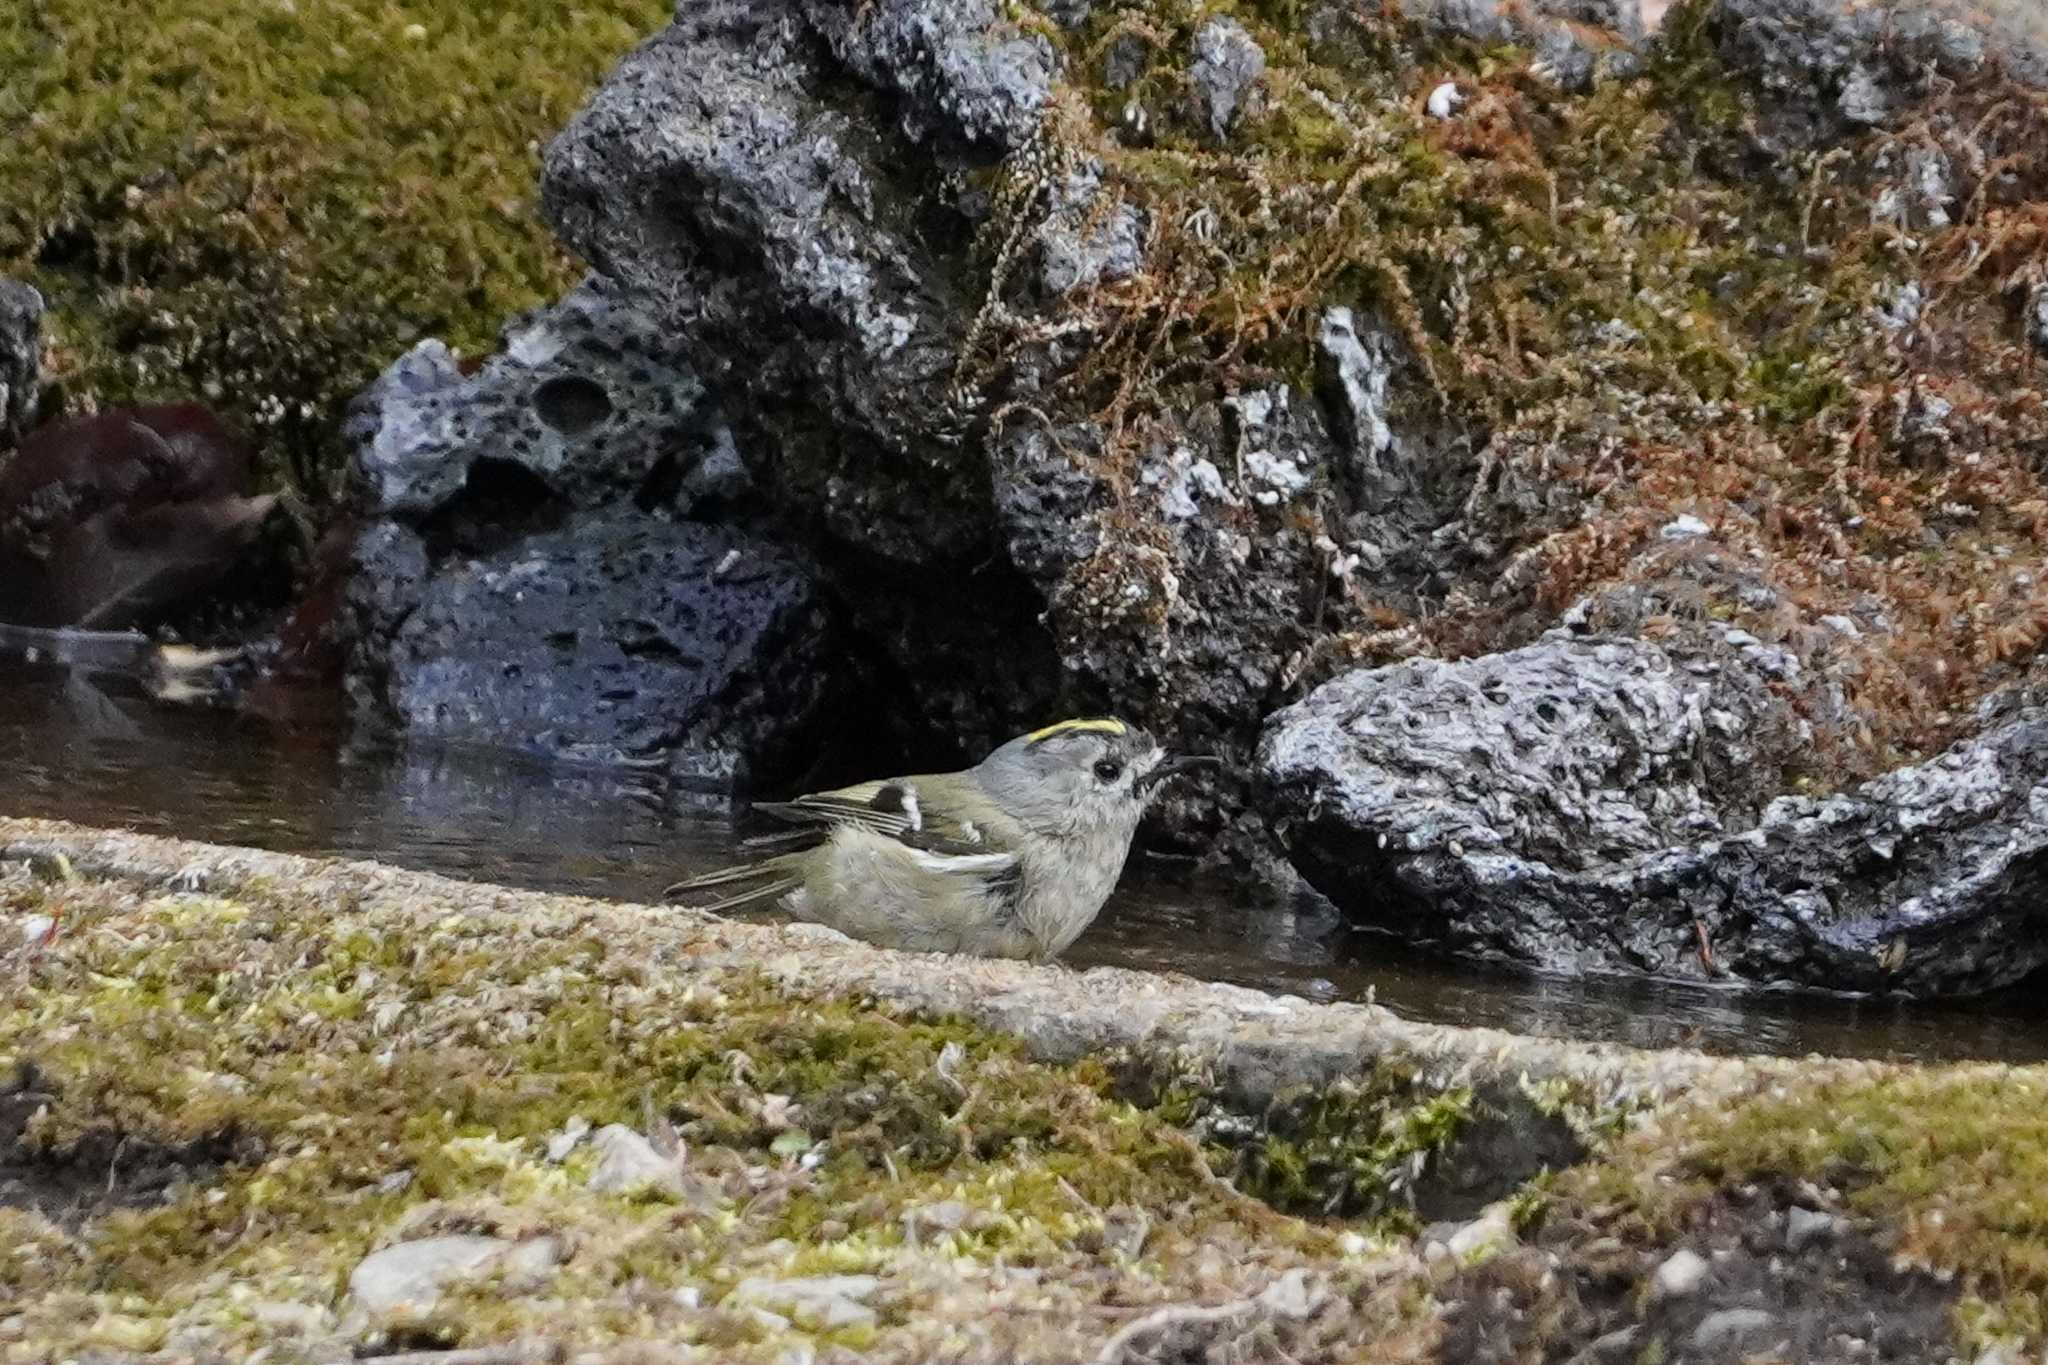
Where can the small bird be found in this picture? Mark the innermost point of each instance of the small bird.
(1010, 858)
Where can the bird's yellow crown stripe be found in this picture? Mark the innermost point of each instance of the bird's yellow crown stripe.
(1102, 726)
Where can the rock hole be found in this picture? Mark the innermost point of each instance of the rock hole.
(662, 484)
(572, 404)
(502, 501)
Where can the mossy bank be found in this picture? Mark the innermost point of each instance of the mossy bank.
(232, 1076)
(261, 202)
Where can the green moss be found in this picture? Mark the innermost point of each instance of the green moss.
(261, 203)
(1951, 1168)
(1350, 1150)
(322, 1084)
(328, 1085)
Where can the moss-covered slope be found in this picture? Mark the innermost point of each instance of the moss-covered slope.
(261, 202)
(1675, 293)
(231, 1078)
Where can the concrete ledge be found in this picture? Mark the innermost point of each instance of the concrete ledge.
(1254, 1044)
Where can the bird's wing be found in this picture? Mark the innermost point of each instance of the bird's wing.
(898, 808)
(937, 841)
(884, 807)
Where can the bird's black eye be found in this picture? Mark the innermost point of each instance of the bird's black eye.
(1109, 770)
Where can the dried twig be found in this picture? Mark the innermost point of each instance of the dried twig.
(1256, 1211)
(1164, 1319)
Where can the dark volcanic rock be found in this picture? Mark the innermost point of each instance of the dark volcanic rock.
(711, 178)
(522, 577)
(588, 395)
(21, 354)
(615, 637)
(785, 183)
(1588, 805)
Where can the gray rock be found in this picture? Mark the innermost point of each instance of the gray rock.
(1361, 367)
(1731, 1327)
(1574, 42)
(947, 1215)
(1082, 242)
(1830, 69)
(1483, 1238)
(1613, 1348)
(409, 1277)
(1578, 751)
(1399, 490)
(1904, 308)
(1863, 100)
(964, 71)
(21, 358)
(710, 181)
(627, 1163)
(2037, 318)
(528, 1266)
(290, 1318)
(1680, 1276)
(613, 637)
(588, 395)
(1806, 1228)
(569, 1139)
(1227, 67)
(1601, 804)
(820, 1302)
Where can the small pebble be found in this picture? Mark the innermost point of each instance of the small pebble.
(1729, 1326)
(1805, 1227)
(573, 1132)
(1680, 1276)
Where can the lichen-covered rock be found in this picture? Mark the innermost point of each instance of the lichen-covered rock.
(1226, 69)
(1590, 805)
(1834, 67)
(409, 1276)
(21, 354)
(628, 1164)
(618, 637)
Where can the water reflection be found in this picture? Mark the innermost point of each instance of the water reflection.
(102, 752)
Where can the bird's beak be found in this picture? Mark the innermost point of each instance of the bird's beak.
(1172, 766)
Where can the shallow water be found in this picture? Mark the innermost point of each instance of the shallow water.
(100, 751)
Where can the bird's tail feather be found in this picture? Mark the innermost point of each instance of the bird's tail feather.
(781, 879)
